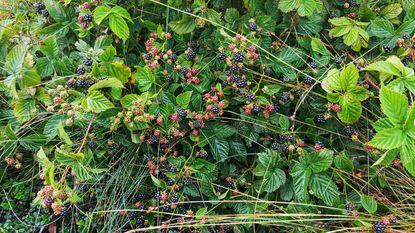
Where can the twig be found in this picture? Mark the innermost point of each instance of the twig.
(371, 82)
(86, 134)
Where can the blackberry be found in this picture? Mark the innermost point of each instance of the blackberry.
(222, 56)
(71, 83)
(39, 6)
(203, 154)
(349, 131)
(175, 198)
(393, 220)
(350, 207)
(88, 61)
(186, 181)
(226, 228)
(193, 44)
(93, 146)
(290, 138)
(319, 143)
(338, 60)
(153, 140)
(181, 113)
(230, 184)
(45, 13)
(169, 78)
(285, 148)
(172, 168)
(170, 182)
(274, 146)
(332, 15)
(184, 70)
(224, 83)
(132, 214)
(321, 119)
(140, 221)
(250, 97)
(252, 26)
(406, 36)
(308, 80)
(47, 201)
(81, 187)
(198, 124)
(234, 68)
(191, 54)
(239, 57)
(88, 18)
(64, 212)
(141, 196)
(286, 79)
(81, 83)
(157, 195)
(353, 3)
(173, 57)
(222, 17)
(81, 70)
(90, 83)
(282, 137)
(148, 56)
(215, 109)
(256, 109)
(387, 48)
(268, 70)
(241, 83)
(285, 97)
(379, 227)
(166, 208)
(313, 64)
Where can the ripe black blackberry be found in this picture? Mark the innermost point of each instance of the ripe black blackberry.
(80, 70)
(234, 68)
(338, 60)
(81, 83)
(132, 214)
(286, 79)
(350, 207)
(169, 78)
(222, 56)
(321, 119)
(353, 3)
(148, 56)
(71, 83)
(141, 196)
(274, 146)
(39, 6)
(393, 220)
(282, 137)
(47, 201)
(175, 198)
(250, 97)
(285, 148)
(157, 195)
(140, 221)
(93, 146)
(252, 26)
(268, 70)
(215, 109)
(241, 83)
(187, 181)
(153, 140)
(90, 82)
(172, 168)
(406, 36)
(173, 57)
(88, 18)
(379, 227)
(203, 154)
(64, 212)
(230, 184)
(226, 228)
(191, 54)
(285, 96)
(239, 57)
(387, 48)
(166, 208)
(224, 83)
(198, 124)
(256, 109)
(181, 113)
(184, 70)
(193, 44)
(45, 13)
(170, 182)
(313, 64)
(88, 61)
(349, 131)
(290, 138)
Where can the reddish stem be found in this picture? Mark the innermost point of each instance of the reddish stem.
(371, 82)
(87, 132)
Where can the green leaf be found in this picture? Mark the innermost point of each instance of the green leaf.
(97, 102)
(343, 163)
(24, 109)
(108, 54)
(331, 82)
(394, 105)
(32, 142)
(382, 28)
(220, 149)
(322, 161)
(273, 180)
(121, 12)
(111, 82)
(408, 157)
(50, 47)
(14, 59)
(301, 177)
(183, 99)
(63, 135)
(185, 25)
(144, 77)
(100, 13)
(369, 203)
(381, 124)
(387, 157)
(127, 100)
(391, 11)
(389, 138)
(349, 77)
(231, 15)
(303, 7)
(350, 110)
(284, 122)
(119, 26)
(120, 71)
(81, 171)
(324, 188)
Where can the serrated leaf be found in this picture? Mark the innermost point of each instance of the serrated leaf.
(343, 163)
(220, 149)
(81, 171)
(301, 178)
(144, 77)
(324, 188)
(120, 71)
(382, 28)
(24, 109)
(183, 99)
(321, 161)
(119, 26)
(97, 102)
(272, 180)
(100, 13)
(63, 135)
(369, 203)
(408, 157)
(394, 105)
(391, 11)
(183, 26)
(389, 138)
(351, 110)
(111, 82)
(303, 7)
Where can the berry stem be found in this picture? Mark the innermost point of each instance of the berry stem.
(371, 82)
(86, 134)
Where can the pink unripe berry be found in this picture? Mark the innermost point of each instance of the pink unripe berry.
(156, 132)
(195, 80)
(195, 132)
(175, 117)
(86, 5)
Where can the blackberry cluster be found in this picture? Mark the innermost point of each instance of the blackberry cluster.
(250, 97)
(252, 26)
(387, 48)
(239, 57)
(285, 97)
(182, 114)
(241, 83)
(349, 131)
(379, 227)
(41, 9)
(215, 109)
(80, 70)
(193, 44)
(191, 54)
(274, 146)
(222, 56)
(313, 64)
(64, 212)
(172, 168)
(320, 119)
(88, 61)
(406, 36)
(286, 79)
(148, 56)
(256, 109)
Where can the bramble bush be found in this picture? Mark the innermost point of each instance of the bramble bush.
(207, 116)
